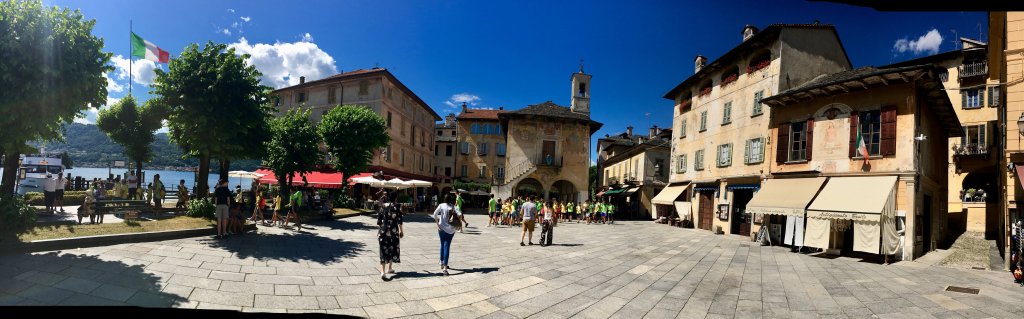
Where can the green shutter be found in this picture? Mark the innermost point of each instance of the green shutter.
(981, 97)
(963, 98)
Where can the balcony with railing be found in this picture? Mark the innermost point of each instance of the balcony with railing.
(971, 149)
(549, 161)
(967, 70)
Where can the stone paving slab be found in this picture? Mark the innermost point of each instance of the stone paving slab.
(624, 270)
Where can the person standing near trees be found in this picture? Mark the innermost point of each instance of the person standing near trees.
(133, 186)
(182, 195)
(158, 191)
(222, 197)
(389, 218)
(294, 204)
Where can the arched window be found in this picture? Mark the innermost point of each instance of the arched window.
(730, 75)
(583, 89)
(705, 89)
(684, 103)
(760, 61)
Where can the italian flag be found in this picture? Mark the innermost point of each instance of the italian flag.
(862, 148)
(143, 49)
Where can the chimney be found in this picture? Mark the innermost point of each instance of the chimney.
(464, 108)
(699, 62)
(302, 79)
(629, 131)
(653, 132)
(749, 31)
(450, 119)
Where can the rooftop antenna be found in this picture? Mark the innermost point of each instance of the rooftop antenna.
(956, 39)
(980, 33)
(581, 65)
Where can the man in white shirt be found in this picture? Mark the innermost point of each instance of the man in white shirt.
(133, 185)
(49, 190)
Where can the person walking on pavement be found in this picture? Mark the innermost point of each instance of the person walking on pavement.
(445, 215)
(389, 218)
(293, 211)
(222, 197)
(528, 210)
(492, 211)
(182, 195)
(548, 226)
(458, 207)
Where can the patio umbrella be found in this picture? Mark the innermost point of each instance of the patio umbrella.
(418, 183)
(396, 183)
(369, 180)
(244, 174)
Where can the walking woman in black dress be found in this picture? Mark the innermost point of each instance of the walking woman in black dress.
(389, 218)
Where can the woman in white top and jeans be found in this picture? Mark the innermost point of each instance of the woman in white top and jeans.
(445, 230)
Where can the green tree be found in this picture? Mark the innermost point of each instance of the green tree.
(216, 106)
(66, 160)
(51, 69)
(292, 147)
(592, 179)
(352, 134)
(133, 127)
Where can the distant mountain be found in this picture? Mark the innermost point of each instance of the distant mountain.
(89, 147)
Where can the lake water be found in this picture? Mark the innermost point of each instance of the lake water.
(170, 178)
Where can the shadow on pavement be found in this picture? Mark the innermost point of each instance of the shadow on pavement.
(66, 279)
(344, 225)
(566, 245)
(414, 274)
(291, 247)
(474, 270)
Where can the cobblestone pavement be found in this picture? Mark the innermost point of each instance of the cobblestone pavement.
(625, 270)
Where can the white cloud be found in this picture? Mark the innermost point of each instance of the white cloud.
(112, 85)
(929, 42)
(225, 31)
(89, 115)
(283, 63)
(142, 70)
(307, 37)
(231, 10)
(234, 25)
(246, 19)
(457, 99)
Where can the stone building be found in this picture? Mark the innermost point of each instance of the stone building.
(855, 198)
(1006, 66)
(973, 163)
(445, 150)
(410, 120)
(635, 169)
(481, 146)
(720, 127)
(548, 147)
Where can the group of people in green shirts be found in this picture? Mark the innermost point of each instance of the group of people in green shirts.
(507, 212)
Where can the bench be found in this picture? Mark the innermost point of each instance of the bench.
(130, 208)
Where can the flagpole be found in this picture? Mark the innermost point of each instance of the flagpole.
(131, 32)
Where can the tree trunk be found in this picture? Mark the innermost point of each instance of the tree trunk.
(202, 189)
(138, 169)
(225, 166)
(10, 177)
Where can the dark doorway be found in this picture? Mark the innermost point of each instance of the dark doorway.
(548, 152)
(707, 212)
(926, 212)
(740, 221)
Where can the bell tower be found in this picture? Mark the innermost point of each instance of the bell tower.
(581, 92)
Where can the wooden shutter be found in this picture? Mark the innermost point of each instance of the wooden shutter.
(746, 152)
(810, 137)
(963, 99)
(981, 97)
(782, 143)
(854, 123)
(888, 140)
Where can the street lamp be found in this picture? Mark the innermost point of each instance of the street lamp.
(1020, 124)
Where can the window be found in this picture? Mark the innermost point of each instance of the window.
(481, 148)
(727, 113)
(421, 163)
(973, 142)
(681, 164)
(973, 98)
(464, 148)
(440, 133)
(447, 150)
(389, 119)
(797, 141)
(332, 95)
(301, 97)
(437, 150)
(464, 171)
(483, 171)
(497, 129)
(485, 129)
(725, 155)
(703, 121)
(499, 172)
(423, 139)
(754, 151)
(698, 160)
(412, 135)
(993, 96)
(387, 154)
(448, 171)
(402, 158)
(583, 89)
(474, 129)
(682, 129)
(757, 103)
(277, 101)
(499, 149)
(871, 131)
(364, 87)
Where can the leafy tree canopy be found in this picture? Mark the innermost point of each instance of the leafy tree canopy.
(292, 147)
(352, 134)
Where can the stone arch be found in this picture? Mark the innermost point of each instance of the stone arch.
(563, 190)
(840, 109)
(529, 187)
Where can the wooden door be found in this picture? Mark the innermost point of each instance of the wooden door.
(707, 211)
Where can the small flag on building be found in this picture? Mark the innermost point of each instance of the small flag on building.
(862, 148)
(143, 49)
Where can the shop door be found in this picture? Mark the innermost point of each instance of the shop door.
(740, 222)
(707, 211)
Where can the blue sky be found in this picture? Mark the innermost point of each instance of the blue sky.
(509, 54)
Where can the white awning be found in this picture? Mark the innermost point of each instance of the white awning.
(784, 196)
(683, 210)
(854, 198)
(668, 195)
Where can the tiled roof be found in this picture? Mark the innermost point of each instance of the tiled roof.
(550, 109)
(367, 73)
(844, 76)
(480, 114)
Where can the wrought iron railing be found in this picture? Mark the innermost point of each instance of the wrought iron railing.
(973, 69)
(970, 149)
(549, 160)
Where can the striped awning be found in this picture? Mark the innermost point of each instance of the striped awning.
(744, 186)
(705, 188)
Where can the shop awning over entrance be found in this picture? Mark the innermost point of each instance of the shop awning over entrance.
(854, 198)
(785, 196)
(629, 191)
(668, 195)
(614, 191)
